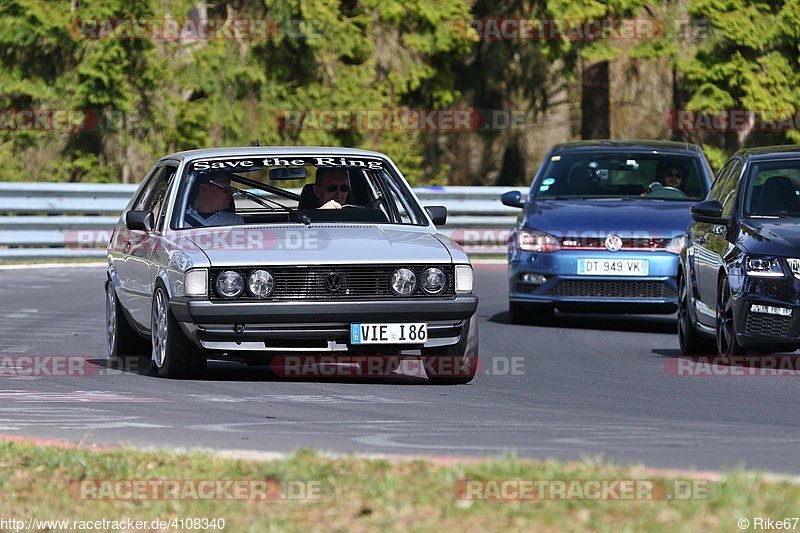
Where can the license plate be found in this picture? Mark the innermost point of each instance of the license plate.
(416, 333)
(613, 267)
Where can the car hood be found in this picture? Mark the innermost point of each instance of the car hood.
(318, 244)
(771, 237)
(657, 217)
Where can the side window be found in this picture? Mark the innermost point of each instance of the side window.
(150, 183)
(730, 190)
(157, 205)
(719, 183)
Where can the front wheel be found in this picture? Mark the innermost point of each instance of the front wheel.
(727, 343)
(456, 364)
(174, 355)
(692, 342)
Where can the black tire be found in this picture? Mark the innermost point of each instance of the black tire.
(455, 364)
(122, 341)
(692, 341)
(174, 355)
(524, 313)
(727, 343)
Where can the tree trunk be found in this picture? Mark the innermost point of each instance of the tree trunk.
(595, 105)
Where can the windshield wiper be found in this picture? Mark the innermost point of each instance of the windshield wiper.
(294, 216)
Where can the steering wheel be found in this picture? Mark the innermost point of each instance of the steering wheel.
(371, 205)
(659, 190)
(353, 206)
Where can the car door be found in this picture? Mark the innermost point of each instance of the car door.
(124, 239)
(145, 248)
(703, 258)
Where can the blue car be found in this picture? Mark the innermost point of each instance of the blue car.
(603, 227)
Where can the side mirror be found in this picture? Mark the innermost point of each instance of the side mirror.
(708, 211)
(512, 199)
(438, 214)
(139, 220)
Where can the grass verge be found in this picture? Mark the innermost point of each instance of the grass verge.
(351, 494)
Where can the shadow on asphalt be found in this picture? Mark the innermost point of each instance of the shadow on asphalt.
(233, 371)
(633, 323)
(699, 364)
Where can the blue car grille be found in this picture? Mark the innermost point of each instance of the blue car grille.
(763, 324)
(613, 289)
(628, 243)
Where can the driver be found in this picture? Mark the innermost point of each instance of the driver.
(212, 203)
(672, 176)
(331, 187)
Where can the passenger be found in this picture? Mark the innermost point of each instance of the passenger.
(212, 203)
(331, 187)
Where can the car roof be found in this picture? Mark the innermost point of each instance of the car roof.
(609, 145)
(253, 151)
(784, 151)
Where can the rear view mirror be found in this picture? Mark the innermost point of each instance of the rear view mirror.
(139, 220)
(438, 214)
(512, 199)
(708, 211)
(287, 173)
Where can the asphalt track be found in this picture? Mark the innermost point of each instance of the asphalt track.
(578, 386)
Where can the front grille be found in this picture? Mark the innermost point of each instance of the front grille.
(613, 289)
(764, 324)
(628, 243)
(298, 283)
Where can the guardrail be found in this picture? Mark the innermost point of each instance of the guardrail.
(74, 220)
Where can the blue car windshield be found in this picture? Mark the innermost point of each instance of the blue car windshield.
(643, 175)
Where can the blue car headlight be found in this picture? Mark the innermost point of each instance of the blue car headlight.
(676, 244)
(532, 240)
(763, 267)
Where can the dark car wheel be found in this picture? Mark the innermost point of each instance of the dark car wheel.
(174, 355)
(692, 342)
(727, 343)
(529, 313)
(121, 339)
(455, 364)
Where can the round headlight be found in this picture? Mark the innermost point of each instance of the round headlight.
(260, 283)
(403, 281)
(229, 284)
(433, 280)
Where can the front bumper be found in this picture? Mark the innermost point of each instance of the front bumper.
(564, 288)
(761, 330)
(286, 326)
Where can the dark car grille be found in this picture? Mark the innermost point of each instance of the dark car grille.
(763, 324)
(628, 243)
(359, 282)
(613, 289)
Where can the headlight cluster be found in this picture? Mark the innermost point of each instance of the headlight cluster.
(537, 241)
(763, 267)
(404, 281)
(231, 284)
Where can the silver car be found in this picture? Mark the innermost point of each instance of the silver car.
(252, 253)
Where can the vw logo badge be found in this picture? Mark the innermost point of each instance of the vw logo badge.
(334, 281)
(613, 243)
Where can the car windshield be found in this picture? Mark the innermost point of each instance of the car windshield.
(644, 175)
(235, 191)
(773, 189)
